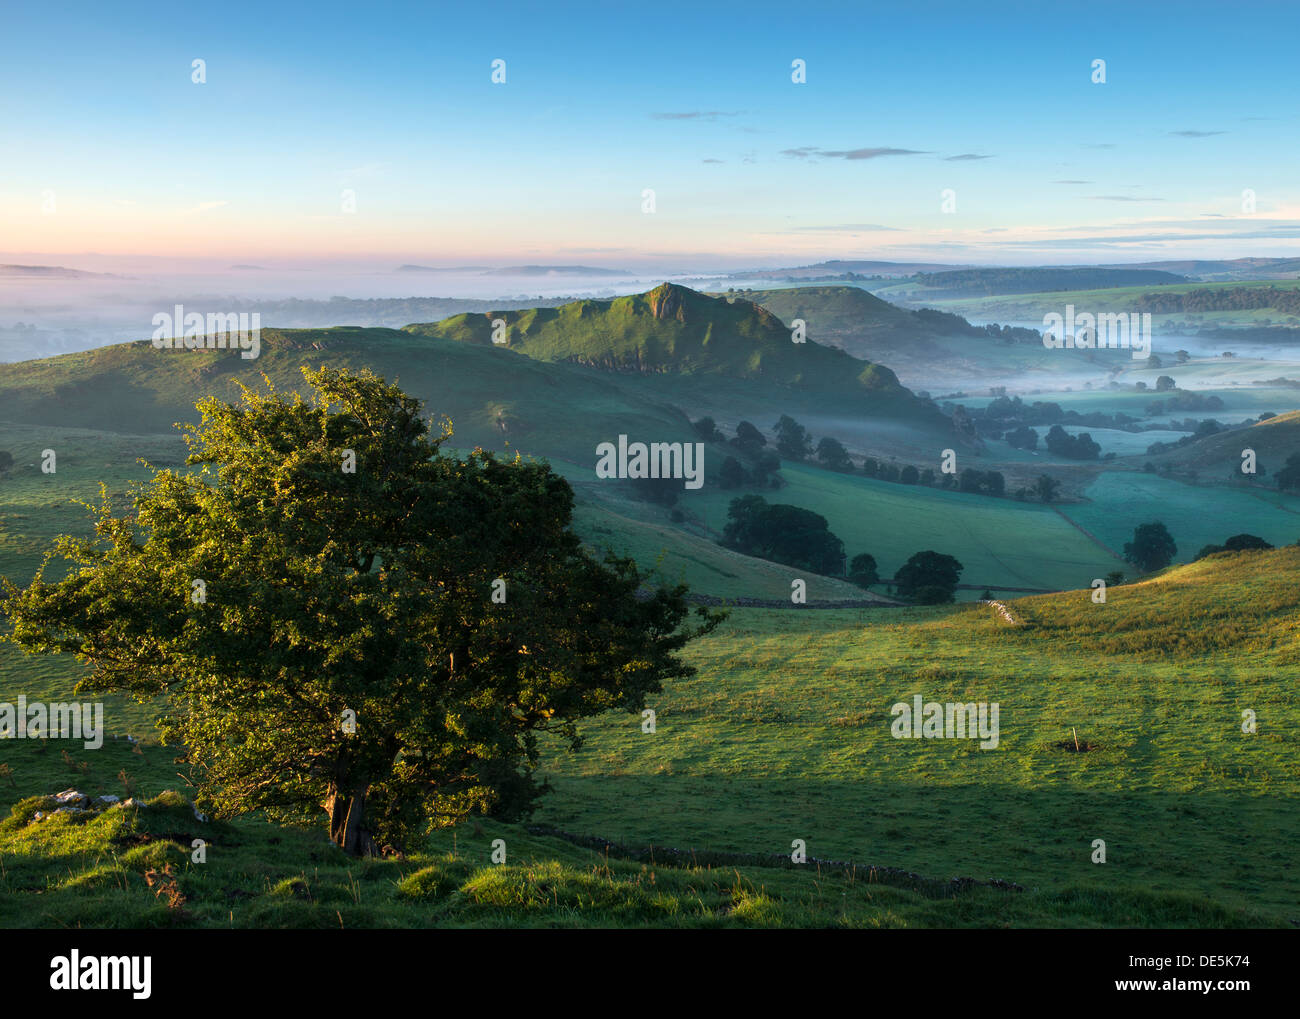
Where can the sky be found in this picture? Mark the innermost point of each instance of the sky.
(373, 134)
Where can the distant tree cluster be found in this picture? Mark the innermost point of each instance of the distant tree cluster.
(982, 482)
(1288, 478)
(798, 537)
(1022, 437)
(1072, 447)
(784, 534)
(1203, 299)
(752, 466)
(1181, 400)
(1237, 543)
(947, 322)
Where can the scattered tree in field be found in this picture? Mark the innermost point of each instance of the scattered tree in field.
(1165, 383)
(1073, 447)
(983, 482)
(863, 570)
(1152, 547)
(792, 441)
(929, 578)
(1023, 437)
(1046, 488)
(347, 650)
(909, 475)
(766, 464)
(731, 474)
(1237, 543)
(784, 534)
(707, 429)
(1288, 478)
(748, 439)
(1115, 578)
(832, 454)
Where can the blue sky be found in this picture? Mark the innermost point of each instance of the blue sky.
(108, 146)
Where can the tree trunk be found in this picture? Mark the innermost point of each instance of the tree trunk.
(347, 818)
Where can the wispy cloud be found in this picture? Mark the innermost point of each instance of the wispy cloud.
(851, 228)
(1121, 198)
(964, 156)
(205, 207)
(1071, 182)
(711, 160)
(1196, 134)
(697, 115)
(872, 153)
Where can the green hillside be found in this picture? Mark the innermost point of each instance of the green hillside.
(1218, 457)
(784, 734)
(673, 329)
(494, 397)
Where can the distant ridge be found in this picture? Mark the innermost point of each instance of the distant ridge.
(520, 270)
(53, 272)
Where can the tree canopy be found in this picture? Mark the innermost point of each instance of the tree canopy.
(333, 614)
(929, 578)
(784, 534)
(1152, 547)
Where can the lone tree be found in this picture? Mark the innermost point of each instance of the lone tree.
(863, 570)
(929, 578)
(384, 643)
(1288, 478)
(1152, 547)
(792, 440)
(748, 438)
(1046, 487)
(832, 454)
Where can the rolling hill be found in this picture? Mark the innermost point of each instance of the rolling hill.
(678, 331)
(1219, 457)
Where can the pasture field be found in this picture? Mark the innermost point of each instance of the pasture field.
(784, 734)
(1196, 515)
(1000, 542)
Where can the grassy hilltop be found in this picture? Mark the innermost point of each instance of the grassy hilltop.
(675, 329)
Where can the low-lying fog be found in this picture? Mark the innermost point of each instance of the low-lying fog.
(98, 303)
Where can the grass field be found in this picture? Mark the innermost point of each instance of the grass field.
(785, 734)
(1196, 515)
(1001, 542)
